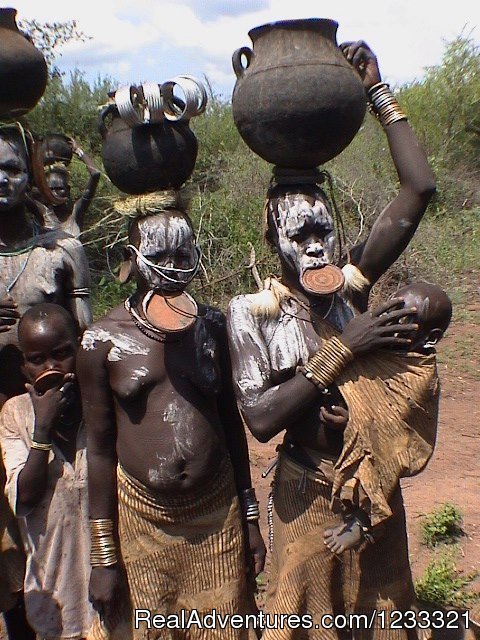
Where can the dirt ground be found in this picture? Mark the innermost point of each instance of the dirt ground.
(453, 473)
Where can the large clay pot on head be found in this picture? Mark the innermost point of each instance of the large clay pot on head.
(297, 101)
(147, 157)
(23, 70)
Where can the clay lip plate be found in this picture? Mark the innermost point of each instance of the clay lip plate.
(176, 312)
(48, 380)
(323, 280)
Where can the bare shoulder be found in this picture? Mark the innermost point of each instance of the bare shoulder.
(100, 336)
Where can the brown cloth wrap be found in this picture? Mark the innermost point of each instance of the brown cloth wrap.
(307, 578)
(12, 556)
(185, 552)
(392, 400)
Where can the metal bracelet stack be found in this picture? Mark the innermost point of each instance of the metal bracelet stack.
(328, 363)
(383, 104)
(103, 551)
(249, 503)
(41, 446)
(150, 103)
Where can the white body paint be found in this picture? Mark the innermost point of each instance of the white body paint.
(163, 234)
(139, 373)
(265, 346)
(123, 345)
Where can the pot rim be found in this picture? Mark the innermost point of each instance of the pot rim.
(314, 24)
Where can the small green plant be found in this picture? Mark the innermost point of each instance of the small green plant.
(443, 525)
(442, 584)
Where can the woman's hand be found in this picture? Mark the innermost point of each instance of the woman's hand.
(379, 328)
(8, 314)
(364, 60)
(257, 547)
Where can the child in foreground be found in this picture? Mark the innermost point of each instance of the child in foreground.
(393, 409)
(43, 445)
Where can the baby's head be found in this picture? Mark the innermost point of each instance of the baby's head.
(434, 312)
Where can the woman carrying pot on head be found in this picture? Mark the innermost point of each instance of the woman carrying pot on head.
(288, 344)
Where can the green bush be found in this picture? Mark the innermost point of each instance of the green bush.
(443, 525)
(442, 584)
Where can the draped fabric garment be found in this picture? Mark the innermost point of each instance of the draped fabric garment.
(307, 578)
(185, 553)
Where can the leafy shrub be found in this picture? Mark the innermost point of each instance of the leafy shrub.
(443, 525)
(442, 584)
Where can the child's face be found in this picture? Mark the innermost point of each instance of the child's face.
(48, 347)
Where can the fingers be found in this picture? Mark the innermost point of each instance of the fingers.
(4, 328)
(399, 313)
(397, 328)
(355, 52)
(30, 390)
(337, 416)
(394, 342)
(389, 305)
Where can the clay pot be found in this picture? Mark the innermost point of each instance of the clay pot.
(297, 102)
(147, 157)
(23, 70)
(57, 148)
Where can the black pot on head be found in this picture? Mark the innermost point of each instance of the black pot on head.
(23, 70)
(147, 157)
(297, 102)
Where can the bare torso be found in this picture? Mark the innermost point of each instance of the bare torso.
(169, 435)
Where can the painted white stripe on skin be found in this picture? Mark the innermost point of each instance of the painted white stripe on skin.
(182, 431)
(293, 213)
(123, 344)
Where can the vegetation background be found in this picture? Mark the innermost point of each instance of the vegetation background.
(229, 183)
(228, 193)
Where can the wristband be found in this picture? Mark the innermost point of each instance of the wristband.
(249, 504)
(41, 446)
(103, 551)
(383, 104)
(328, 363)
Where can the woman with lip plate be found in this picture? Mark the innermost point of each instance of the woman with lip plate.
(289, 343)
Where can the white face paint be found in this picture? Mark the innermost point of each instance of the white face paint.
(166, 241)
(306, 235)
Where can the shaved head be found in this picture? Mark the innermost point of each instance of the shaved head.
(45, 315)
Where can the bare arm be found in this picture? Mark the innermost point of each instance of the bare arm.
(81, 205)
(238, 448)
(77, 282)
(267, 408)
(397, 223)
(32, 480)
(99, 415)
